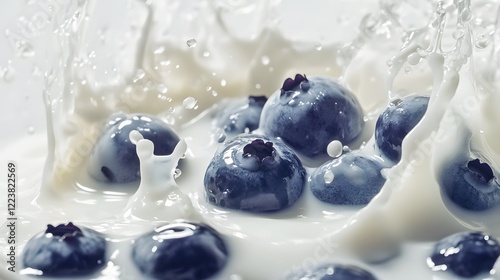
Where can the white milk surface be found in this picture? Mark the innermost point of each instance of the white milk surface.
(67, 68)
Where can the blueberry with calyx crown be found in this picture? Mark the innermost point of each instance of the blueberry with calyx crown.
(308, 113)
(180, 250)
(65, 250)
(469, 183)
(466, 254)
(114, 158)
(334, 272)
(254, 173)
(351, 179)
(396, 122)
(239, 117)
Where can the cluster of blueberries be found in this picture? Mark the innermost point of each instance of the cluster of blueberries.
(303, 118)
(262, 173)
(190, 251)
(177, 250)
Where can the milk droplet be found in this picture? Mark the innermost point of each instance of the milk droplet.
(318, 46)
(407, 70)
(413, 59)
(177, 173)
(328, 177)
(206, 54)
(189, 103)
(31, 130)
(191, 42)
(162, 88)
(481, 41)
(265, 60)
(223, 82)
(140, 74)
(334, 149)
(9, 74)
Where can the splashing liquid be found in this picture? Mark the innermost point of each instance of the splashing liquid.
(450, 48)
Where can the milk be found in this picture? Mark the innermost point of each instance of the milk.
(179, 67)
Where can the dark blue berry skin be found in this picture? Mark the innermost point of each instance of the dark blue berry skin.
(180, 250)
(466, 254)
(242, 116)
(114, 158)
(469, 183)
(256, 174)
(396, 122)
(356, 180)
(310, 112)
(335, 272)
(65, 250)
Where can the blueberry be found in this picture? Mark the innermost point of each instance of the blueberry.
(466, 254)
(114, 158)
(256, 174)
(309, 113)
(180, 250)
(396, 122)
(65, 250)
(240, 117)
(469, 183)
(350, 179)
(334, 272)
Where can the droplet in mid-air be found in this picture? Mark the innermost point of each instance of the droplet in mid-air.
(191, 42)
(189, 103)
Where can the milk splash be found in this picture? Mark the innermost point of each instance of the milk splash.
(175, 59)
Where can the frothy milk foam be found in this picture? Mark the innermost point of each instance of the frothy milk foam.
(177, 59)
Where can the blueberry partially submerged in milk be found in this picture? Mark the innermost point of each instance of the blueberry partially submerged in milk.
(396, 121)
(469, 183)
(351, 179)
(180, 250)
(114, 158)
(242, 116)
(65, 250)
(466, 254)
(254, 173)
(310, 112)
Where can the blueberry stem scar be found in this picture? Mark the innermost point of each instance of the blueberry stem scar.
(259, 149)
(290, 84)
(68, 231)
(482, 171)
